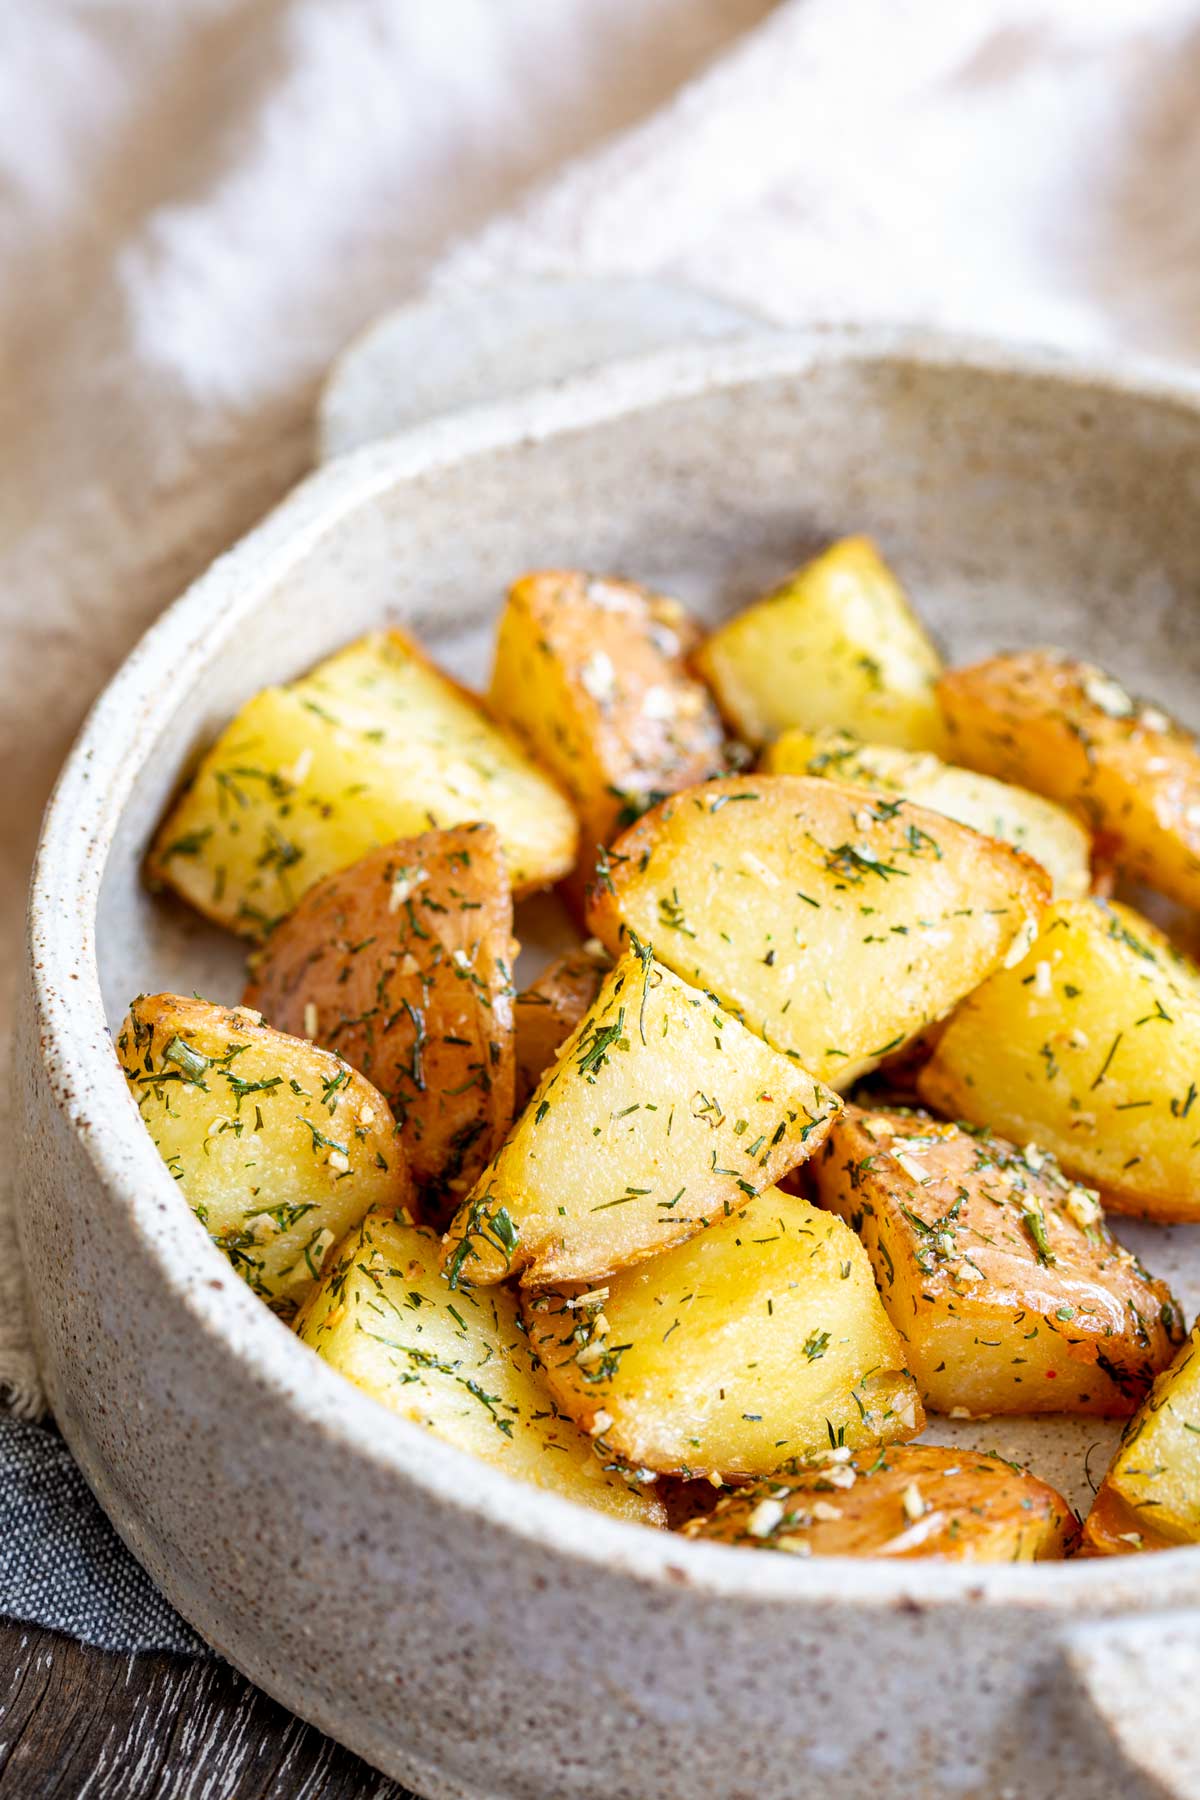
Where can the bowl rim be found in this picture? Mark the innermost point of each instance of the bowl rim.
(77, 834)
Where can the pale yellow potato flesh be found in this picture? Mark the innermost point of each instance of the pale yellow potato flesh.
(1011, 1294)
(549, 1009)
(907, 1500)
(278, 1147)
(1070, 731)
(590, 675)
(1028, 822)
(1150, 1497)
(1089, 1047)
(837, 644)
(760, 1341)
(375, 744)
(660, 1114)
(457, 1364)
(837, 924)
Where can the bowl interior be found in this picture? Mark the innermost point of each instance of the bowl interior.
(1020, 506)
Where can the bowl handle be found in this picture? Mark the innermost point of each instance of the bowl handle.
(473, 346)
(1139, 1679)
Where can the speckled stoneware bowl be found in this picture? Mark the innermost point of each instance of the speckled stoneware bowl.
(477, 1638)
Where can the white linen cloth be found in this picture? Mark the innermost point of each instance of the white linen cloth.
(201, 200)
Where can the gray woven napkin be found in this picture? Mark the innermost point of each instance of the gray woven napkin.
(61, 1563)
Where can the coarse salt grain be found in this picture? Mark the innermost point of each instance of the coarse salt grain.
(754, 865)
(658, 703)
(912, 1168)
(764, 1518)
(598, 677)
(913, 1503)
(608, 597)
(593, 1297)
(1107, 694)
(907, 1412)
(1082, 1205)
(404, 886)
(300, 768)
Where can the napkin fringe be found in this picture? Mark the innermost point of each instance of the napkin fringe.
(21, 1391)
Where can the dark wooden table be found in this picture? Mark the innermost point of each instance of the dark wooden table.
(157, 1727)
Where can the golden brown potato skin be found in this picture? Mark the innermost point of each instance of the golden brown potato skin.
(550, 1008)
(907, 1500)
(590, 674)
(402, 964)
(837, 923)
(1000, 1274)
(278, 1147)
(1113, 1529)
(1071, 732)
(1089, 1046)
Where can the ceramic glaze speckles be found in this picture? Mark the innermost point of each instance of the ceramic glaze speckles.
(467, 1635)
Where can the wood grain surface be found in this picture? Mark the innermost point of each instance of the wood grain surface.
(76, 1722)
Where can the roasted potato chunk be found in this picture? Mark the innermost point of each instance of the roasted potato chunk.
(1091, 1047)
(837, 645)
(1150, 1497)
(459, 1364)
(550, 1008)
(590, 675)
(661, 1113)
(1009, 1291)
(376, 744)
(905, 1500)
(278, 1147)
(1038, 827)
(1068, 730)
(837, 924)
(402, 964)
(761, 1339)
